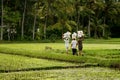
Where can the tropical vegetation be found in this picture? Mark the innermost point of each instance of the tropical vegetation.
(49, 19)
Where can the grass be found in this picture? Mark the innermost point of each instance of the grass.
(94, 53)
(103, 41)
(11, 63)
(37, 63)
(90, 73)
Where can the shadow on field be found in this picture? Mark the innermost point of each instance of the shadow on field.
(116, 66)
(49, 68)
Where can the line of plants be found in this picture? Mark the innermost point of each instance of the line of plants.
(90, 40)
(104, 53)
(99, 60)
(103, 41)
(90, 73)
(108, 57)
(15, 63)
(47, 55)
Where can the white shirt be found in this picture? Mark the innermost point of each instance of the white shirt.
(74, 44)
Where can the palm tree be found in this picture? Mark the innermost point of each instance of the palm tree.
(77, 4)
(64, 23)
(35, 15)
(110, 10)
(96, 7)
(90, 12)
(47, 11)
(51, 9)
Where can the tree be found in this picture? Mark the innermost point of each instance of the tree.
(90, 12)
(36, 8)
(46, 11)
(110, 12)
(63, 22)
(90, 15)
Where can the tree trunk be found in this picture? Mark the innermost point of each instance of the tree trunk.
(46, 18)
(95, 32)
(23, 20)
(103, 33)
(8, 30)
(34, 23)
(78, 20)
(104, 28)
(34, 26)
(2, 21)
(45, 27)
(89, 32)
(77, 14)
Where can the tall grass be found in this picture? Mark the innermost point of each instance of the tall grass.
(10, 63)
(95, 53)
(103, 41)
(64, 74)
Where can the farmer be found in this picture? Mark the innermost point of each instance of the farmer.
(73, 46)
(80, 39)
(66, 37)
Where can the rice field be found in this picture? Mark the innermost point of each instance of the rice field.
(13, 63)
(90, 73)
(33, 61)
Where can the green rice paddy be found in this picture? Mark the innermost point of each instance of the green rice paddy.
(32, 61)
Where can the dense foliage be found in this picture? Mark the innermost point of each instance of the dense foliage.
(48, 19)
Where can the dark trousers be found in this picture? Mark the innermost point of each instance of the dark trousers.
(74, 51)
